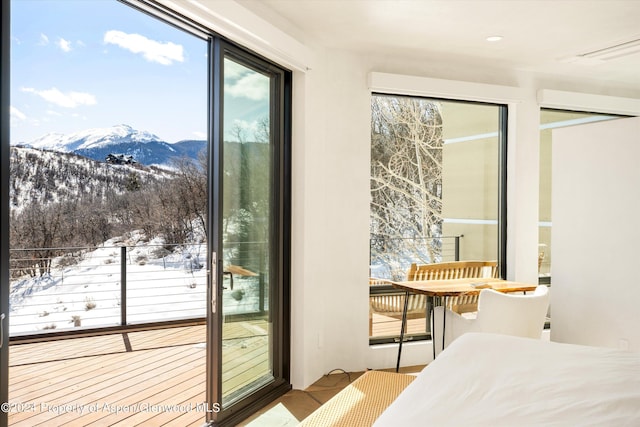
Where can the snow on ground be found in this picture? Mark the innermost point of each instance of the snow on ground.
(160, 285)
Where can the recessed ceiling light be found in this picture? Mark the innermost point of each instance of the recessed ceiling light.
(494, 38)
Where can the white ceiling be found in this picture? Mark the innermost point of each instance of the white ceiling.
(539, 36)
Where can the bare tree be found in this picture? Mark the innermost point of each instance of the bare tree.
(175, 208)
(406, 182)
(39, 230)
(191, 192)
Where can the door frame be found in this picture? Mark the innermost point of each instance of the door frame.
(4, 206)
(280, 241)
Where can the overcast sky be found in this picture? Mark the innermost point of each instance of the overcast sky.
(80, 64)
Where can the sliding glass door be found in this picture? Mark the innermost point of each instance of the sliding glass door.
(249, 156)
(225, 194)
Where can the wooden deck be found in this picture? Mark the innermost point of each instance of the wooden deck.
(147, 378)
(384, 326)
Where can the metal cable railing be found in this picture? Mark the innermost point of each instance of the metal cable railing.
(109, 286)
(390, 258)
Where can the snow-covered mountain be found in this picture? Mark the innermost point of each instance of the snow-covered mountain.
(97, 143)
(92, 138)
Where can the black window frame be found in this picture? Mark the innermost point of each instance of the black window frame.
(503, 114)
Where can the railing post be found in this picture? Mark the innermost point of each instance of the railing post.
(457, 248)
(123, 285)
(261, 279)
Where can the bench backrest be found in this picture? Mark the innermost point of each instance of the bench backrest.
(453, 270)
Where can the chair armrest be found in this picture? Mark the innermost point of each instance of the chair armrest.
(455, 325)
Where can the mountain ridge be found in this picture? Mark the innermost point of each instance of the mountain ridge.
(96, 143)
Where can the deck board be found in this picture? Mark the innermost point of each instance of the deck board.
(159, 369)
(44, 351)
(384, 326)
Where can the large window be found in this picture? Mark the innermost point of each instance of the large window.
(437, 170)
(108, 168)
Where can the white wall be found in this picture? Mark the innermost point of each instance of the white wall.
(333, 283)
(596, 234)
(335, 229)
(330, 183)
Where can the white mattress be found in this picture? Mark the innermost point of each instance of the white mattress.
(499, 380)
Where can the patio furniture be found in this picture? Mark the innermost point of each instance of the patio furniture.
(499, 313)
(456, 270)
(439, 292)
(391, 305)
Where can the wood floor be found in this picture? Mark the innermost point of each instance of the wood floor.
(149, 378)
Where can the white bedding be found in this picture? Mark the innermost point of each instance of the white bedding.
(499, 380)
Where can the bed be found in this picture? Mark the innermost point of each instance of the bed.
(499, 380)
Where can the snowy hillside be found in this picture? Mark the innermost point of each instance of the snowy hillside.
(66, 264)
(43, 177)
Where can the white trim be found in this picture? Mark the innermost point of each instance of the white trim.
(471, 138)
(575, 101)
(470, 221)
(552, 125)
(237, 23)
(618, 50)
(574, 122)
(446, 89)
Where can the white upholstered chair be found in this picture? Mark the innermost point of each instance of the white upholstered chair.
(501, 313)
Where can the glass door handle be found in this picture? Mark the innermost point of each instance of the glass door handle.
(214, 280)
(1, 329)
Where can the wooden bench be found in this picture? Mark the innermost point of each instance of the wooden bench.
(361, 402)
(455, 270)
(392, 304)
